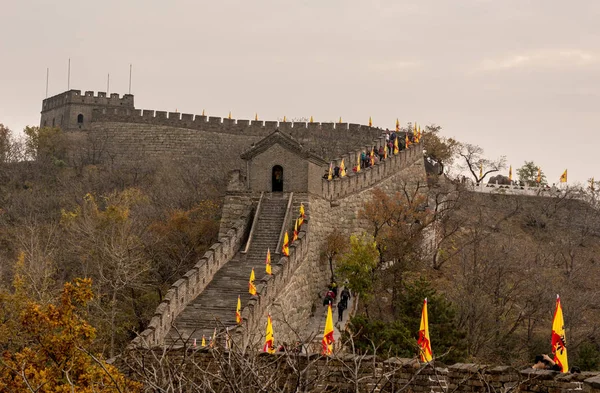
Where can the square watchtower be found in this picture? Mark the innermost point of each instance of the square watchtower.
(72, 111)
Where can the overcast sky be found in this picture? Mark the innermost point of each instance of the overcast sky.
(520, 78)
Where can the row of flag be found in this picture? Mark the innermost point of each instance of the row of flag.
(417, 135)
(538, 178)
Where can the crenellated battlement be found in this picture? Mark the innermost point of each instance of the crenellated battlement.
(187, 120)
(87, 98)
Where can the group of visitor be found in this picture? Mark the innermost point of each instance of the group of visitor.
(331, 296)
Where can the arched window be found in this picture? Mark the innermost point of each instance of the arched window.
(277, 179)
(80, 119)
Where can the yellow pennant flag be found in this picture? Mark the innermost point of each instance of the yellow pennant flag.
(385, 152)
(251, 287)
(480, 171)
(538, 179)
(358, 163)
(269, 340)
(311, 119)
(327, 341)
(330, 175)
(563, 177)
(370, 122)
(340, 119)
(302, 216)
(268, 262)
(256, 116)
(202, 112)
(295, 236)
(397, 125)
(396, 148)
(285, 250)
(559, 341)
(229, 117)
(406, 141)
(510, 173)
(424, 342)
(284, 120)
(203, 341)
(238, 311)
(342, 169)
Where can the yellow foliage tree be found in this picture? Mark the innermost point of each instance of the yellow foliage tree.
(53, 353)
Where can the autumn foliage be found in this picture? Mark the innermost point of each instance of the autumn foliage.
(50, 351)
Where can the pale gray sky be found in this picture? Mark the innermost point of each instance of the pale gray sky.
(520, 78)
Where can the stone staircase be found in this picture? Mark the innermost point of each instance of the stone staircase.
(215, 306)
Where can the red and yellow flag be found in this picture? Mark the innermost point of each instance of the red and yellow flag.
(372, 156)
(538, 179)
(397, 125)
(385, 152)
(238, 311)
(295, 235)
(342, 169)
(203, 341)
(268, 263)
(330, 174)
(251, 287)
(423, 342)
(396, 148)
(370, 122)
(358, 163)
(269, 343)
(559, 341)
(406, 141)
(285, 250)
(302, 216)
(510, 173)
(563, 177)
(327, 342)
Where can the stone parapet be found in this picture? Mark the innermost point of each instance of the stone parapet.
(192, 284)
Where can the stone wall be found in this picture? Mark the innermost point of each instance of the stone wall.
(193, 283)
(297, 300)
(314, 373)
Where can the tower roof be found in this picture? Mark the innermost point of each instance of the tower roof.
(284, 140)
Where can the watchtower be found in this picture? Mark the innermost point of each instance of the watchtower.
(72, 110)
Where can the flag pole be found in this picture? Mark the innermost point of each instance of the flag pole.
(69, 75)
(47, 77)
(130, 67)
(108, 84)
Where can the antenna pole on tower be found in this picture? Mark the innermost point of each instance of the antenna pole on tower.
(47, 76)
(130, 66)
(69, 76)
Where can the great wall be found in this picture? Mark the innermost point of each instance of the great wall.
(255, 216)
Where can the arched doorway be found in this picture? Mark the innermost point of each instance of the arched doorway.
(277, 179)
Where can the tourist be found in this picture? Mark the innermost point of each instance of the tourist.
(344, 296)
(544, 362)
(381, 153)
(340, 308)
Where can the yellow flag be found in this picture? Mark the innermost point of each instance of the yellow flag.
(285, 250)
(358, 163)
(295, 236)
(510, 173)
(340, 119)
(480, 171)
(370, 122)
(396, 148)
(559, 341)
(311, 119)
(284, 120)
(342, 169)
(538, 179)
(251, 287)
(327, 341)
(397, 125)
(406, 141)
(238, 311)
(330, 175)
(229, 117)
(268, 262)
(203, 341)
(202, 112)
(269, 340)
(256, 116)
(563, 177)
(301, 218)
(424, 342)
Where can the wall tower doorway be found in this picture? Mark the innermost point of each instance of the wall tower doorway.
(277, 179)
